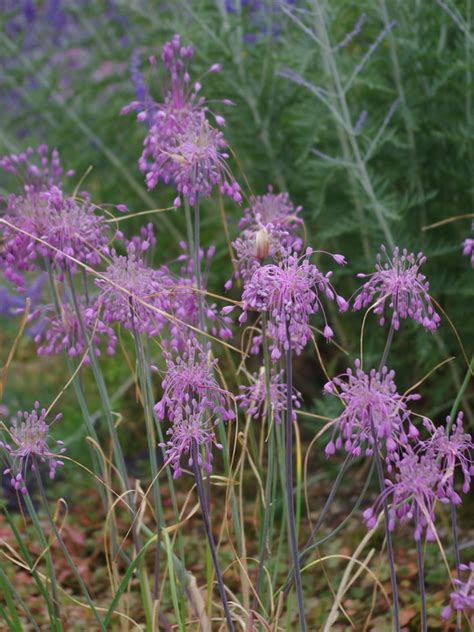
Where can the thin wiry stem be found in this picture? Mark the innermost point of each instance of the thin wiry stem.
(268, 508)
(207, 525)
(289, 484)
(63, 547)
(388, 534)
(421, 582)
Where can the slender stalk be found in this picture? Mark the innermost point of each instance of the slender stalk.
(388, 535)
(454, 528)
(388, 345)
(421, 582)
(197, 265)
(194, 245)
(63, 547)
(319, 521)
(207, 525)
(97, 464)
(42, 588)
(101, 386)
(265, 549)
(460, 395)
(289, 483)
(150, 434)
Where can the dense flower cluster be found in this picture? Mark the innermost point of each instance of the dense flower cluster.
(414, 493)
(269, 227)
(290, 292)
(373, 406)
(44, 222)
(452, 449)
(181, 145)
(254, 399)
(399, 286)
(462, 599)
(30, 441)
(194, 403)
(131, 293)
(190, 376)
(65, 332)
(191, 425)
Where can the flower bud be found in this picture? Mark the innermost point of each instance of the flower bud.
(262, 244)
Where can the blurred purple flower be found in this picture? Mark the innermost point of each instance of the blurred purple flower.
(182, 301)
(253, 398)
(462, 598)
(370, 400)
(468, 248)
(131, 293)
(64, 332)
(399, 285)
(30, 440)
(71, 226)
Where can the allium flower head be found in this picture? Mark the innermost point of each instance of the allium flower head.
(253, 398)
(269, 227)
(70, 226)
(190, 377)
(370, 399)
(399, 286)
(131, 293)
(64, 332)
(181, 145)
(413, 494)
(182, 300)
(35, 168)
(191, 425)
(289, 292)
(451, 450)
(30, 440)
(195, 163)
(276, 210)
(462, 598)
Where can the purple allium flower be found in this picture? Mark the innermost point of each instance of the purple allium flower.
(451, 450)
(191, 424)
(462, 599)
(64, 332)
(414, 494)
(269, 226)
(253, 398)
(30, 440)
(182, 300)
(35, 168)
(190, 377)
(468, 248)
(370, 399)
(290, 292)
(131, 293)
(181, 145)
(399, 285)
(70, 226)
